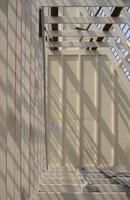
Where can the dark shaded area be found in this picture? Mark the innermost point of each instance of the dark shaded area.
(91, 39)
(40, 23)
(54, 13)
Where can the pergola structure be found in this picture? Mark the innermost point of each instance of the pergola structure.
(115, 16)
(100, 27)
(64, 99)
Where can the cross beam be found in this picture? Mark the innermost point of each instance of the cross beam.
(83, 20)
(76, 33)
(84, 3)
(83, 44)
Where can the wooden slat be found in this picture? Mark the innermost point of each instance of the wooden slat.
(18, 97)
(75, 33)
(122, 56)
(118, 28)
(80, 196)
(84, 20)
(83, 44)
(114, 61)
(115, 13)
(83, 3)
(3, 97)
(61, 188)
(126, 16)
(25, 100)
(11, 92)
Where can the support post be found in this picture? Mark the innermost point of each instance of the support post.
(45, 87)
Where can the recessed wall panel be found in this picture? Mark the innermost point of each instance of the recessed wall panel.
(105, 111)
(55, 109)
(71, 109)
(88, 111)
(123, 123)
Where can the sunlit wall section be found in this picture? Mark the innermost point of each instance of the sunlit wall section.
(22, 153)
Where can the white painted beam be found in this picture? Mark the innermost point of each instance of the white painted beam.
(83, 20)
(118, 68)
(122, 35)
(80, 196)
(75, 33)
(123, 38)
(83, 44)
(83, 3)
(45, 86)
(126, 16)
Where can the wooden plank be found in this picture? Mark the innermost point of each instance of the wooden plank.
(26, 79)
(75, 33)
(126, 16)
(18, 102)
(122, 56)
(53, 12)
(117, 66)
(61, 188)
(123, 37)
(3, 88)
(84, 44)
(85, 3)
(11, 97)
(22, 100)
(83, 20)
(25, 99)
(36, 104)
(78, 188)
(32, 91)
(125, 81)
(80, 196)
(118, 29)
(115, 13)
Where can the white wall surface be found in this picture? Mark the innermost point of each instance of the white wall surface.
(88, 111)
(21, 100)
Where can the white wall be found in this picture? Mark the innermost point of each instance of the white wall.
(122, 119)
(21, 100)
(88, 110)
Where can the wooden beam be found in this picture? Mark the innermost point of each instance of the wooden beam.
(115, 13)
(118, 68)
(126, 16)
(118, 29)
(80, 196)
(84, 20)
(75, 33)
(84, 3)
(45, 88)
(83, 44)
